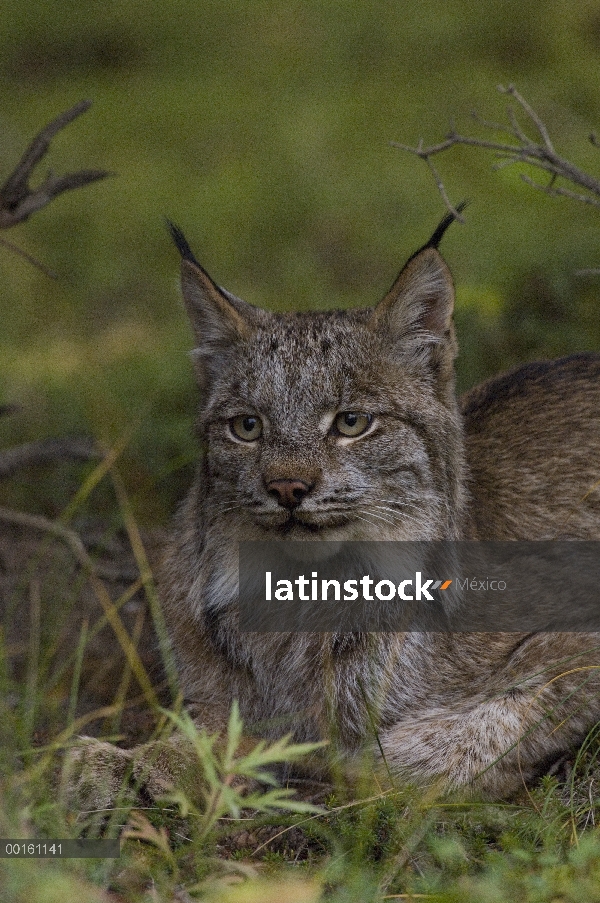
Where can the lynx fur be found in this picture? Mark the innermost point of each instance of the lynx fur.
(345, 425)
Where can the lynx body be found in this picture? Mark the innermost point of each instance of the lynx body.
(345, 426)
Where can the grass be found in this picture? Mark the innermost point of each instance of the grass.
(235, 840)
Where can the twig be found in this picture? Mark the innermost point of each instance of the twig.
(531, 114)
(17, 200)
(538, 153)
(440, 185)
(28, 257)
(45, 451)
(559, 191)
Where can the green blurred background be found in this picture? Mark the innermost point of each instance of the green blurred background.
(263, 129)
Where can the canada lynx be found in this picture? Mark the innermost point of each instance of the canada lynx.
(345, 426)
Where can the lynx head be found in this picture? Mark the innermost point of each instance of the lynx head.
(338, 425)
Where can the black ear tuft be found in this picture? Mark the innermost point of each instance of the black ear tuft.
(439, 232)
(437, 236)
(181, 242)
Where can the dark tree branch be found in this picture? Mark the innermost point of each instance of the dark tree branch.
(17, 200)
(46, 451)
(522, 149)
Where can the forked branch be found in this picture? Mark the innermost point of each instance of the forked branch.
(17, 200)
(517, 148)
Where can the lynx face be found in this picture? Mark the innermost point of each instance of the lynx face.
(337, 425)
(304, 443)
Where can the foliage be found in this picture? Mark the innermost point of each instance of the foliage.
(228, 774)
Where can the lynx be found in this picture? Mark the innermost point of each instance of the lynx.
(344, 425)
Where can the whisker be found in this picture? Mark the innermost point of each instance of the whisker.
(400, 510)
(398, 514)
(395, 503)
(386, 508)
(387, 520)
(402, 519)
(369, 522)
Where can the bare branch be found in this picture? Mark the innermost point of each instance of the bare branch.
(532, 115)
(516, 129)
(28, 257)
(46, 451)
(38, 148)
(541, 155)
(488, 124)
(438, 181)
(17, 200)
(559, 191)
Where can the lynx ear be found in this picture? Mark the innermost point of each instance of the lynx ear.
(416, 314)
(216, 319)
(219, 320)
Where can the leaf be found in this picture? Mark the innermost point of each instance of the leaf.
(234, 735)
(139, 828)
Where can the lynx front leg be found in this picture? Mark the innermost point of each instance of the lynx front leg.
(491, 747)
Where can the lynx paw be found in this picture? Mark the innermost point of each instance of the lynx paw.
(100, 774)
(97, 773)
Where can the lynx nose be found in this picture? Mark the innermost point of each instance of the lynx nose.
(289, 492)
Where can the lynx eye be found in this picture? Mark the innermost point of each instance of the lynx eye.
(352, 423)
(247, 427)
